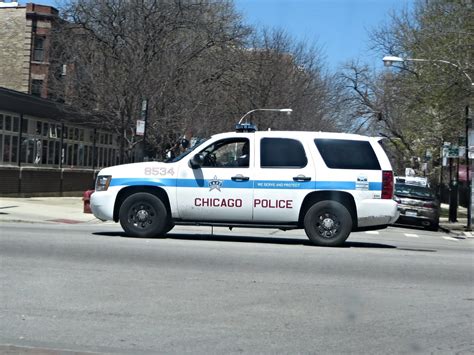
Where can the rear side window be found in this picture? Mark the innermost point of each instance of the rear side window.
(282, 153)
(347, 154)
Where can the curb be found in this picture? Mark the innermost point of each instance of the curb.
(456, 232)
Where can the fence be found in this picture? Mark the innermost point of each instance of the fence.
(33, 181)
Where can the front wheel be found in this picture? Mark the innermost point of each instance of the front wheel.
(328, 223)
(143, 215)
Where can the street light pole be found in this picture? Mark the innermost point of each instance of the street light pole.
(389, 61)
(287, 110)
(468, 177)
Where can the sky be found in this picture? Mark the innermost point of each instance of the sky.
(339, 27)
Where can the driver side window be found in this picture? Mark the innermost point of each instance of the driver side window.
(227, 153)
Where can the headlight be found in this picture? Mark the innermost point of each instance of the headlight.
(102, 183)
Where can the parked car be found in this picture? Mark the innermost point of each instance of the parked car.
(417, 204)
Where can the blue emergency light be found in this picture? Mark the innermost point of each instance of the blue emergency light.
(245, 127)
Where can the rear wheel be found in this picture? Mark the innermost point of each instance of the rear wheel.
(144, 215)
(328, 223)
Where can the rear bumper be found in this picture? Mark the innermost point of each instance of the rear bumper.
(417, 221)
(376, 213)
(417, 213)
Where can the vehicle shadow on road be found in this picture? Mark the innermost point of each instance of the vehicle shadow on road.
(248, 239)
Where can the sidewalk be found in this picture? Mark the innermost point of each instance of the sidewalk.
(69, 210)
(457, 228)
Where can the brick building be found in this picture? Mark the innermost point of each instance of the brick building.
(46, 147)
(24, 38)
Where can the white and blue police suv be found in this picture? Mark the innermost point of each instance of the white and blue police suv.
(327, 183)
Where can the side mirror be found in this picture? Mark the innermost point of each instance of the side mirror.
(196, 161)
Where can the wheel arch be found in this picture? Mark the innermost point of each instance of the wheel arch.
(130, 190)
(342, 197)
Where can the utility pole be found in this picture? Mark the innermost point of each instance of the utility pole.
(468, 168)
(143, 118)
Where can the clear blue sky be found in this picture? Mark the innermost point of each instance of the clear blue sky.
(338, 26)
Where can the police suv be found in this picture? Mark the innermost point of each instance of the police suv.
(327, 183)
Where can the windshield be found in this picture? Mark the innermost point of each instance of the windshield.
(413, 190)
(186, 152)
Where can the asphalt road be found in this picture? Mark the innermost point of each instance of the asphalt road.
(87, 287)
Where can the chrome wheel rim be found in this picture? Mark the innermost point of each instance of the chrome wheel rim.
(142, 215)
(328, 225)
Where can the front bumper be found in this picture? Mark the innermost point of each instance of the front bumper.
(103, 202)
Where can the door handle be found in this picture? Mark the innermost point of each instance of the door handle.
(302, 178)
(240, 178)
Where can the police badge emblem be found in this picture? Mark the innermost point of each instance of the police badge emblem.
(215, 184)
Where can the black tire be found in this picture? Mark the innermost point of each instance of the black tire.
(434, 226)
(328, 223)
(143, 215)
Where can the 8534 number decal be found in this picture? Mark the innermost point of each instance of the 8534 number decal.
(157, 171)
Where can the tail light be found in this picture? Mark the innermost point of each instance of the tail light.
(387, 184)
(429, 205)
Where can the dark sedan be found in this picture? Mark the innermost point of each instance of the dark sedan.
(417, 205)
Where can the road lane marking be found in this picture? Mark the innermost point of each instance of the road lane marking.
(410, 235)
(372, 232)
(450, 238)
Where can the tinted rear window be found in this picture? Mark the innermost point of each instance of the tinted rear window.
(413, 190)
(282, 153)
(347, 154)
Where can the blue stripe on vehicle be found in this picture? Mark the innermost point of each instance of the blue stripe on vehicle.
(142, 181)
(334, 185)
(229, 184)
(375, 186)
(258, 184)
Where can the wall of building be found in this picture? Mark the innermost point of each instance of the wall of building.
(43, 142)
(31, 181)
(40, 20)
(15, 49)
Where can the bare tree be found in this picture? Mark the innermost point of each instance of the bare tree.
(275, 71)
(420, 105)
(121, 52)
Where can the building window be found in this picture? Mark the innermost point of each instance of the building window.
(8, 123)
(16, 124)
(51, 152)
(14, 153)
(36, 87)
(24, 127)
(57, 152)
(38, 49)
(6, 150)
